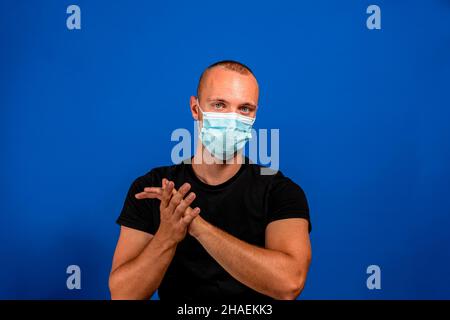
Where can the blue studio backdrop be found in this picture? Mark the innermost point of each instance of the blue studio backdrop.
(363, 116)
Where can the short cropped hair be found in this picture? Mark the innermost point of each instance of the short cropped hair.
(227, 64)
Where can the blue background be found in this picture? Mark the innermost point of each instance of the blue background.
(363, 117)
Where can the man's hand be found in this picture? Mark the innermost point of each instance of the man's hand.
(175, 212)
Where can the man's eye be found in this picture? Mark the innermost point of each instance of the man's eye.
(218, 105)
(245, 109)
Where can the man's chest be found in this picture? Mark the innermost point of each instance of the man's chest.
(241, 213)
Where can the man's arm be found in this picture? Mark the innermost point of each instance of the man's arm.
(141, 260)
(279, 270)
(139, 264)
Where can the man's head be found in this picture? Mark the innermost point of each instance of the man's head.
(226, 86)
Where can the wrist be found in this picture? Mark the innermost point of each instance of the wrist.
(163, 241)
(198, 227)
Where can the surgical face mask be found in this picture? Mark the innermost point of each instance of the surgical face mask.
(224, 134)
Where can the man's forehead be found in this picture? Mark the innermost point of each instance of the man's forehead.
(220, 83)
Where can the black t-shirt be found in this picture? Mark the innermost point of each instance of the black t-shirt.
(242, 206)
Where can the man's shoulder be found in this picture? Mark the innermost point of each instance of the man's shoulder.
(271, 177)
(265, 173)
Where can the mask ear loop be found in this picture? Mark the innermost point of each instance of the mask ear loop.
(198, 105)
(198, 121)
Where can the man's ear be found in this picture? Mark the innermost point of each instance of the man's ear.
(194, 107)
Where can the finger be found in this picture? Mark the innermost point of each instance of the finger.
(167, 194)
(157, 190)
(148, 195)
(164, 182)
(178, 196)
(187, 218)
(184, 204)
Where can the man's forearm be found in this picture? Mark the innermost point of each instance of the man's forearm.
(267, 271)
(141, 277)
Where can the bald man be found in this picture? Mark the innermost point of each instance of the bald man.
(208, 229)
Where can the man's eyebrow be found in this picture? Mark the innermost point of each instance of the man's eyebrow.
(216, 99)
(248, 104)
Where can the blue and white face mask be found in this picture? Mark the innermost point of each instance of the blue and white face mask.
(225, 133)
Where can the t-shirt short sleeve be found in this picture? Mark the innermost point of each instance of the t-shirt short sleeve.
(287, 200)
(139, 213)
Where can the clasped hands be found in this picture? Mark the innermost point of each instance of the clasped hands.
(176, 216)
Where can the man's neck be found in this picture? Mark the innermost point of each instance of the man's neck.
(211, 172)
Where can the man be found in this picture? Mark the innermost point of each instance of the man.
(214, 228)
